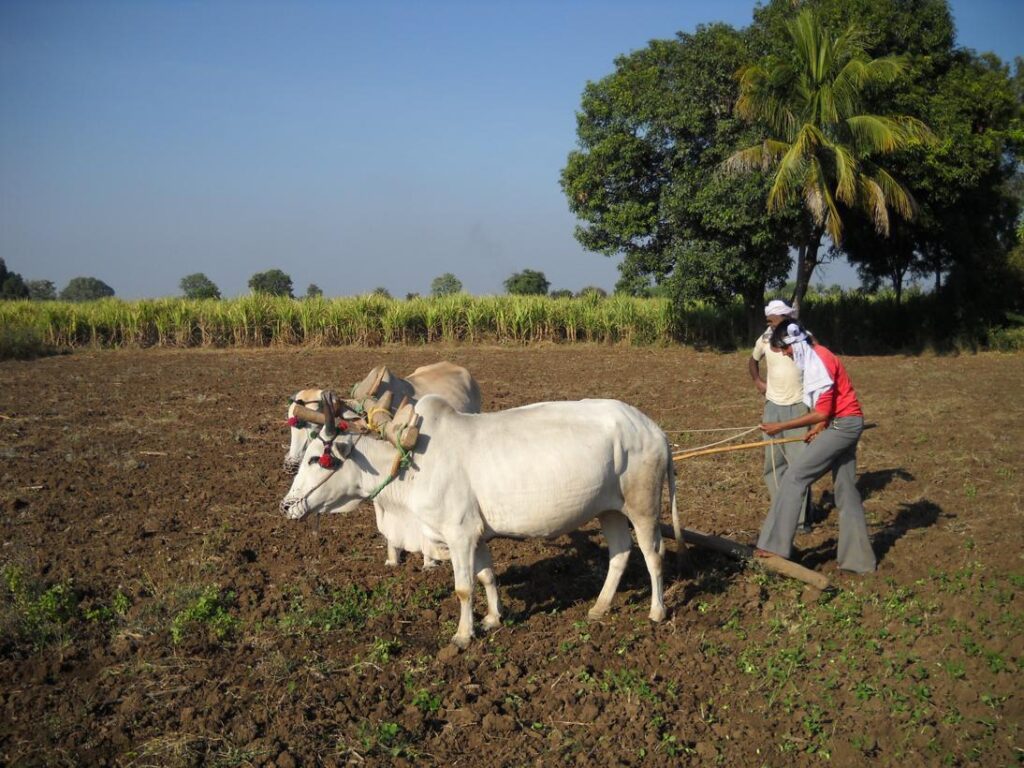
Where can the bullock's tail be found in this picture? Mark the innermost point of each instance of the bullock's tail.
(682, 555)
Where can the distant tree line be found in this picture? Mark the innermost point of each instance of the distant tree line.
(272, 282)
(13, 286)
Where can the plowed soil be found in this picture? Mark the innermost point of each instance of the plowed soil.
(158, 610)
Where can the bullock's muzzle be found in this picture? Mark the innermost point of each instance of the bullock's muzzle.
(291, 466)
(294, 508)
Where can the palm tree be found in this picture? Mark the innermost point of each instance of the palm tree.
(823, 145)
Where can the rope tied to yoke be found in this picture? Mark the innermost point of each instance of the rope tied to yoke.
(404, 460)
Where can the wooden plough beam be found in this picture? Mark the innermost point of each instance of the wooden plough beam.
(739, 551)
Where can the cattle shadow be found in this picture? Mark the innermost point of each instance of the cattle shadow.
(911, 516)
(575, 574)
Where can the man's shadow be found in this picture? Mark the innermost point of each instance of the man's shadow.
(868, 484)
(912, 515)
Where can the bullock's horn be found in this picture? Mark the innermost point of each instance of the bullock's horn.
(308, 414)
(382, 373)
(330, 430)
(368, 387)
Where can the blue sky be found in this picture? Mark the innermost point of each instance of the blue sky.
(351, 144)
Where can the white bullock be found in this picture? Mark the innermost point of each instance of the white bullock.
(537, 471)
(452, 382)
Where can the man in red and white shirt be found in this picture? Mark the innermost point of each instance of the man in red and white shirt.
(836, 422)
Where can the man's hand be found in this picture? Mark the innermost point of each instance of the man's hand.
(772, 428)
(761, 386)
(816, 430)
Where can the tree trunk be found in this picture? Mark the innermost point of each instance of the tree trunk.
(753, 305)
(807, 260)
(897, 284)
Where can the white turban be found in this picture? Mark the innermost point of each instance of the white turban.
(779, 308)
(815, 375)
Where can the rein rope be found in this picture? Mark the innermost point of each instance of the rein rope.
(719, 442)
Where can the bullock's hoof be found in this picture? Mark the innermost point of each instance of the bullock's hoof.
(595, 613)
(491, 622)
(429, 563)
(461, 642)
(391, 563)
(658, 614)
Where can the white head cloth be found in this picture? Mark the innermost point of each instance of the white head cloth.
(815, 375)
(779, 308)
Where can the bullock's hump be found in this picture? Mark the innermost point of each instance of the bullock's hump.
(433, 406)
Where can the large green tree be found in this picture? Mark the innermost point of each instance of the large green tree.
(85, 289)
(645, 182)
(273, 282)
(962, 184)
(966, 184)
(529, 282)
(445, 285)
(824, 148)
(199, 286)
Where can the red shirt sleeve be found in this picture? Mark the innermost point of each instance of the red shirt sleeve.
(840, 399)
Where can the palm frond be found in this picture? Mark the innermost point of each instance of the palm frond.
(872, 201)
(876, 134)
(847, 170)
(745, 160)
(848, 86)
(885, 69)
(820, 202)
(759, 100)
(788, 179)
(897, 196)
(915, 130)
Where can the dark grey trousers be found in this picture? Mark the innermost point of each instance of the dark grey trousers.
(836, 449)
(778, 457)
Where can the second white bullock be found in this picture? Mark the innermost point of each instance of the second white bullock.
(452, 382)
(537, 471)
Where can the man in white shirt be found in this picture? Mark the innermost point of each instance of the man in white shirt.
(784, 393)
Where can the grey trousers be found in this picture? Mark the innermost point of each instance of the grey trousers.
(836, 449)
(778, 457)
